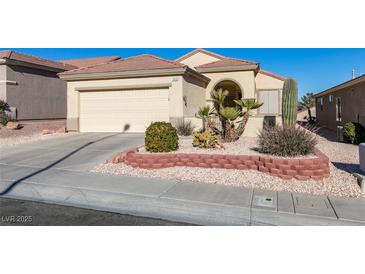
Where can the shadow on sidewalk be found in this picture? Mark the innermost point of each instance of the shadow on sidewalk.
(12, 185)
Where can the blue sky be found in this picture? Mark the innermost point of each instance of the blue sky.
(314, 69)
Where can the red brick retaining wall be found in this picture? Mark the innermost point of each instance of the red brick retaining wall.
(301, 169)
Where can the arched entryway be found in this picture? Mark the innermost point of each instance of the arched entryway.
(234, 91)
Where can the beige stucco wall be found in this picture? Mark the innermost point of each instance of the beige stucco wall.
(195, 96)
(2, 84)
(264, 81)
(198, 59)
(175, 94)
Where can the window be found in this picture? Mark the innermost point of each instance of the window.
(330, 98)
(270, 98)
(338, 109)
(320, 101)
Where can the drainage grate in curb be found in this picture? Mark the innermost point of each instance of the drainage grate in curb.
(263, 201)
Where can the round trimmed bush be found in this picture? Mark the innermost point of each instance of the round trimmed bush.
(353, 133)
(161, 137)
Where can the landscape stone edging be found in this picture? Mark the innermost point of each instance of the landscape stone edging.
(301, 169)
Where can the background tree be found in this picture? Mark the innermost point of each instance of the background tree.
(308, 101)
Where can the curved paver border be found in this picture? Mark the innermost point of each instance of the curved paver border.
(301, 169)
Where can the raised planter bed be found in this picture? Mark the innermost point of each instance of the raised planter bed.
(301, 169)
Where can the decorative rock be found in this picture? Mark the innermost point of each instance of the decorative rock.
(61, 130)
(13, 125)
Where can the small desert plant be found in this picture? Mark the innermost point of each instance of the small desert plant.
(205, 139)
(161, 137)
(354, 133)
(286, 141)
(184, 127)
(3, 108)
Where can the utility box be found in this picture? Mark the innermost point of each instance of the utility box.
(362, 156)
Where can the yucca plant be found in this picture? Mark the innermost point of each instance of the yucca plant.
(228, 115)
(246, 106)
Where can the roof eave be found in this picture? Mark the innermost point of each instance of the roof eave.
(229, 68)
(130, 74)
(341, 86)
(33, 65)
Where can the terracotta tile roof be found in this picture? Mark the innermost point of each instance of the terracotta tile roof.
(227, 62)
(200, 50)
(140, 62)
(16, 56)
(87, 62)
(272, 74)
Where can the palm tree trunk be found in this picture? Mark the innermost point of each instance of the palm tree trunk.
(241, 127)
(309, 114)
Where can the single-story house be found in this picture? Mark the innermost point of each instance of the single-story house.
(31, 87)
(341, 104)
(128, 94)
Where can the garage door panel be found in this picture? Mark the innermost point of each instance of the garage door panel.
(114, 111)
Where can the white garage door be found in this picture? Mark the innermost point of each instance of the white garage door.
(119, 111)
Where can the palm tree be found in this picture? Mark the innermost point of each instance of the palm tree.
(308, 101)
(246, 106)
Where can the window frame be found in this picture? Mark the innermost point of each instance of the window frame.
(338, 109)
(279, 92)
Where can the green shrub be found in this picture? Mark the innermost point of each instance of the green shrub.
(286, 141)
(184, 128)
(353, 133)
(205, 139)
(4, 119)
(161, 137)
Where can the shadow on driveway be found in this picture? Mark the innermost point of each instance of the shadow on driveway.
(11, 186)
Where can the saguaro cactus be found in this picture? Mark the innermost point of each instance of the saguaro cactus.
(289, 102)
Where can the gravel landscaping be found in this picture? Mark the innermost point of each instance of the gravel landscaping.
(30, 131)
(244, 146)
(340, 183)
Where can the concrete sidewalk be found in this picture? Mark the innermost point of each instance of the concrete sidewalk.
(203, 204)
(57, 172)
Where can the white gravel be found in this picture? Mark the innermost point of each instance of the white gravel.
(340, 183)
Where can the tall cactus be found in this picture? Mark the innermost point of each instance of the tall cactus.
(289, 102)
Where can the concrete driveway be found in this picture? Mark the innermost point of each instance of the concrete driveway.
(77, 152)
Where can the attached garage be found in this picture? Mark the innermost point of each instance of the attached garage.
(122, 110)
(126, 95)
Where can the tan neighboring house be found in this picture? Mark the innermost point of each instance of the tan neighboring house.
(31, 87)
(341, 104)
(128, 94)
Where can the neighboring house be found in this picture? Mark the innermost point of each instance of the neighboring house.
(31, 87)
(128, 94)
(341, 104)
